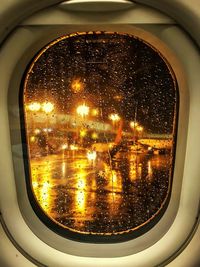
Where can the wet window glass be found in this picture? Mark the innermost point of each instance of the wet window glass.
(100, 116)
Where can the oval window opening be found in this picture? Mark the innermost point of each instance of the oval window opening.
(99, 113)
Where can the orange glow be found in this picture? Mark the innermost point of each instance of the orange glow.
(77, 86)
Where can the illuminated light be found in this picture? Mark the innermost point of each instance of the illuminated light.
(139, 128)
(91, 155)
(47, 107)
(95, 112)
(149, 148)
(77, 86)
(133, 124)
(83, 133)
(73, 147)
(37, 131)
(45, 130)
(118, 97)
(64, 146)
(110, 145)
(94, 136)
(114, 117)
(83, 110)
(50, 130)
(35, 106)
(32, 139)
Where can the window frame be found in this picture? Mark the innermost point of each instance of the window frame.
(50, 223)
(35, 223)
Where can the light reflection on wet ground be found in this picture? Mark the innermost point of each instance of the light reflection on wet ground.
(99, 197)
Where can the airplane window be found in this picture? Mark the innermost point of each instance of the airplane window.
(99, 120)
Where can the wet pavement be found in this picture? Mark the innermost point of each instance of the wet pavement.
(102, 195)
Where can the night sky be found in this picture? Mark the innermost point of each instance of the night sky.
(118, 73)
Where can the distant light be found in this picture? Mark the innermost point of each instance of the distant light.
(34, 106)
(95, 112)
(94, 136)
(47, 107)
(83, 133)
(37, 131)
(83, 110)
(65, 146)
(139, 128)
(73, 147)
(133, 124)
(32, 139)
(91, 155)
(114, 117)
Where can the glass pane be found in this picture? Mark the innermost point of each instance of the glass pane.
(100, 112)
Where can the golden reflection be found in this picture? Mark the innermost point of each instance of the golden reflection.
(150, 171)
(45, 196)
(63, 169)
(41, 183)
(114, 179)
(80, 201)
(80, 195)
(135, 167)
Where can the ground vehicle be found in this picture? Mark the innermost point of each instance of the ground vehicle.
(187, 255)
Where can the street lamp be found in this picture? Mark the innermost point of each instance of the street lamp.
(114, 117)
(47, 107)
(34, 106)
(82, 110)
(133, 124)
